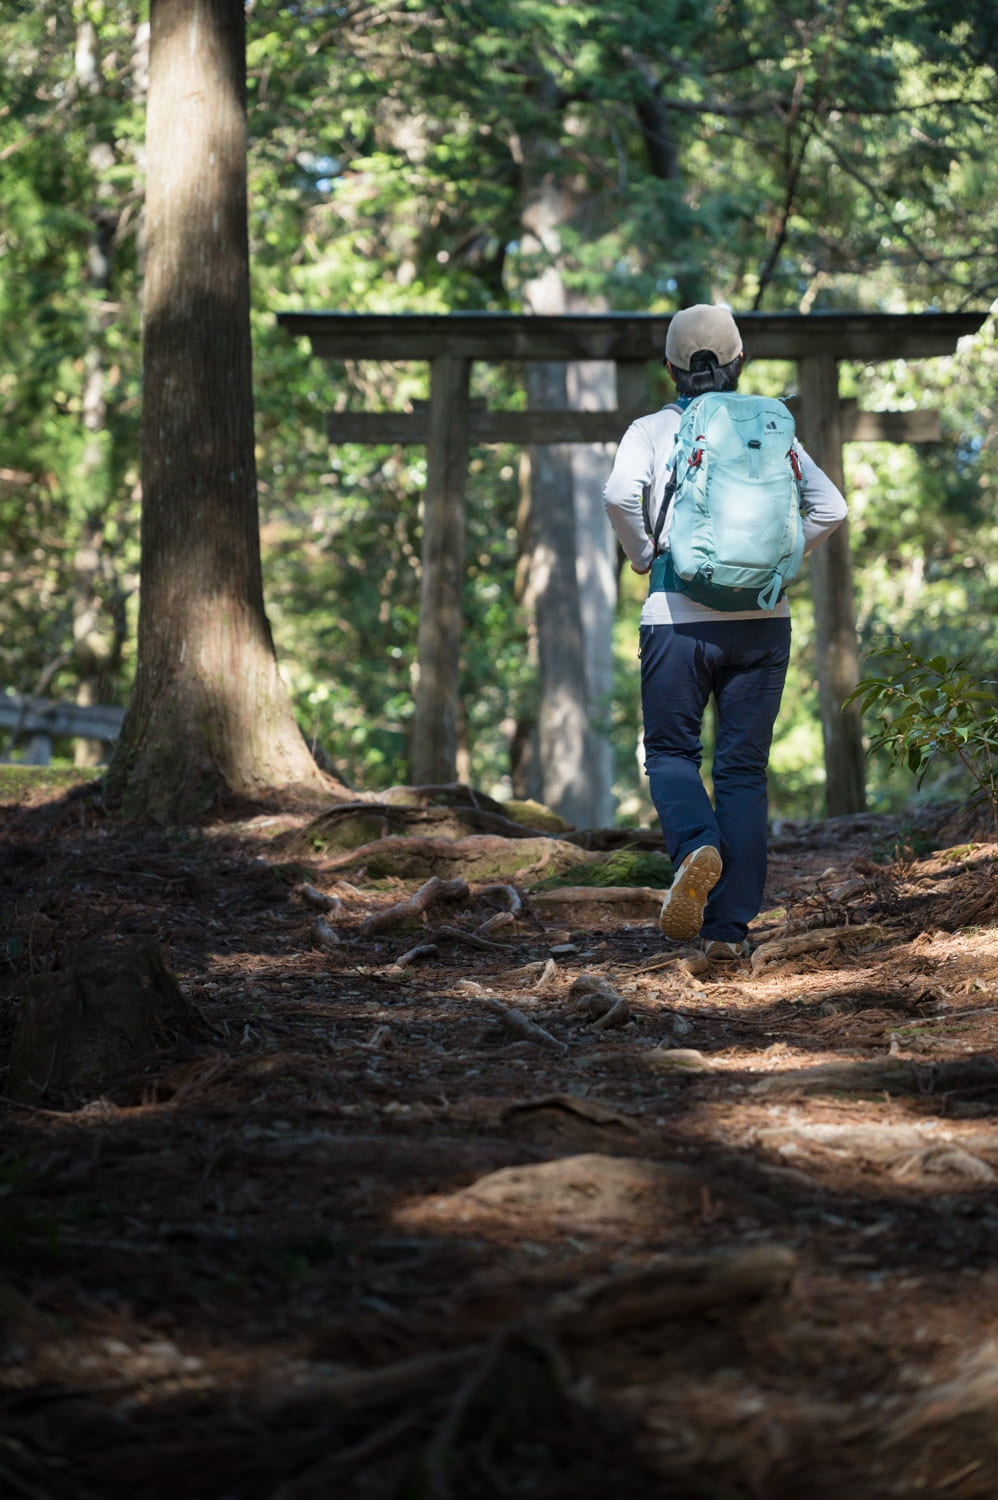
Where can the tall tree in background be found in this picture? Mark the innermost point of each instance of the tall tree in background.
(100, 626)
(209, 716)
(564, 728)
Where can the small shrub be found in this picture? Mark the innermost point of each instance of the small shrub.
(930, 710)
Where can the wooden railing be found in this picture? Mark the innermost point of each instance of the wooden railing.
(40, 720)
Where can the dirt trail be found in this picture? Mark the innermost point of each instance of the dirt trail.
(518, 1202)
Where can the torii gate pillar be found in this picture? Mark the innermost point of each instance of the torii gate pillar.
(438, 647)
(832, 592)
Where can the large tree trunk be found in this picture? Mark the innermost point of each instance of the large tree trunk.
(209, 715)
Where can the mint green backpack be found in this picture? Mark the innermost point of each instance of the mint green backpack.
(736, 538)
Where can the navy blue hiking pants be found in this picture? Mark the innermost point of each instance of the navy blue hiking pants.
(744, 664)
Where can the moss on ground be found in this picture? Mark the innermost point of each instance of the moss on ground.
(41, 783)
(624, 867)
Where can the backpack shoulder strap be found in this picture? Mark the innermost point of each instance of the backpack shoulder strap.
(670, 489)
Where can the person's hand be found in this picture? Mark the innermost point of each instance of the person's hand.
(640, 571)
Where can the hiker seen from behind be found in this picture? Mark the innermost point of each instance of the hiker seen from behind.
(715, 499)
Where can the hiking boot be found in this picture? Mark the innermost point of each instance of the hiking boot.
(718, 948)
(681, 916)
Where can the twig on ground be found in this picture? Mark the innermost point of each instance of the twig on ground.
(673, 1286)
(548, 975)
(405, 913)
(597, 1000)
(538, 966)
(322, 935)
(362, 1388)
(415, 955)
(317, 899)
(328, 1469)
(498, 920)
(618, 1015)
(449, 1431)
(471, 938)
(517, 1021)
(511, 894)
(687, 959)
(380, 1038)
(817, 940)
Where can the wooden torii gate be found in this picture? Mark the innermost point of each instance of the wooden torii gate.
(451, 424)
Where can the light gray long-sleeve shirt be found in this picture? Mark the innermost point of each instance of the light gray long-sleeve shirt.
(644, 459)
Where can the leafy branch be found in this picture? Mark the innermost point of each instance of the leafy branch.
(930, 709)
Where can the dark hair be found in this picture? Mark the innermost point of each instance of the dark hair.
(705, 374)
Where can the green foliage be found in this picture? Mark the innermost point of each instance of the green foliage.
(932, 710)
(71, 127)
(911, 841)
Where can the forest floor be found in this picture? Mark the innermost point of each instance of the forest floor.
(519, 1202)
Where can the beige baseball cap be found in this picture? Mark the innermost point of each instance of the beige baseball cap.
(702, 327)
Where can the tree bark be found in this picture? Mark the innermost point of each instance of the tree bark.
(209, 716)
(563, 714)
(592, 387)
